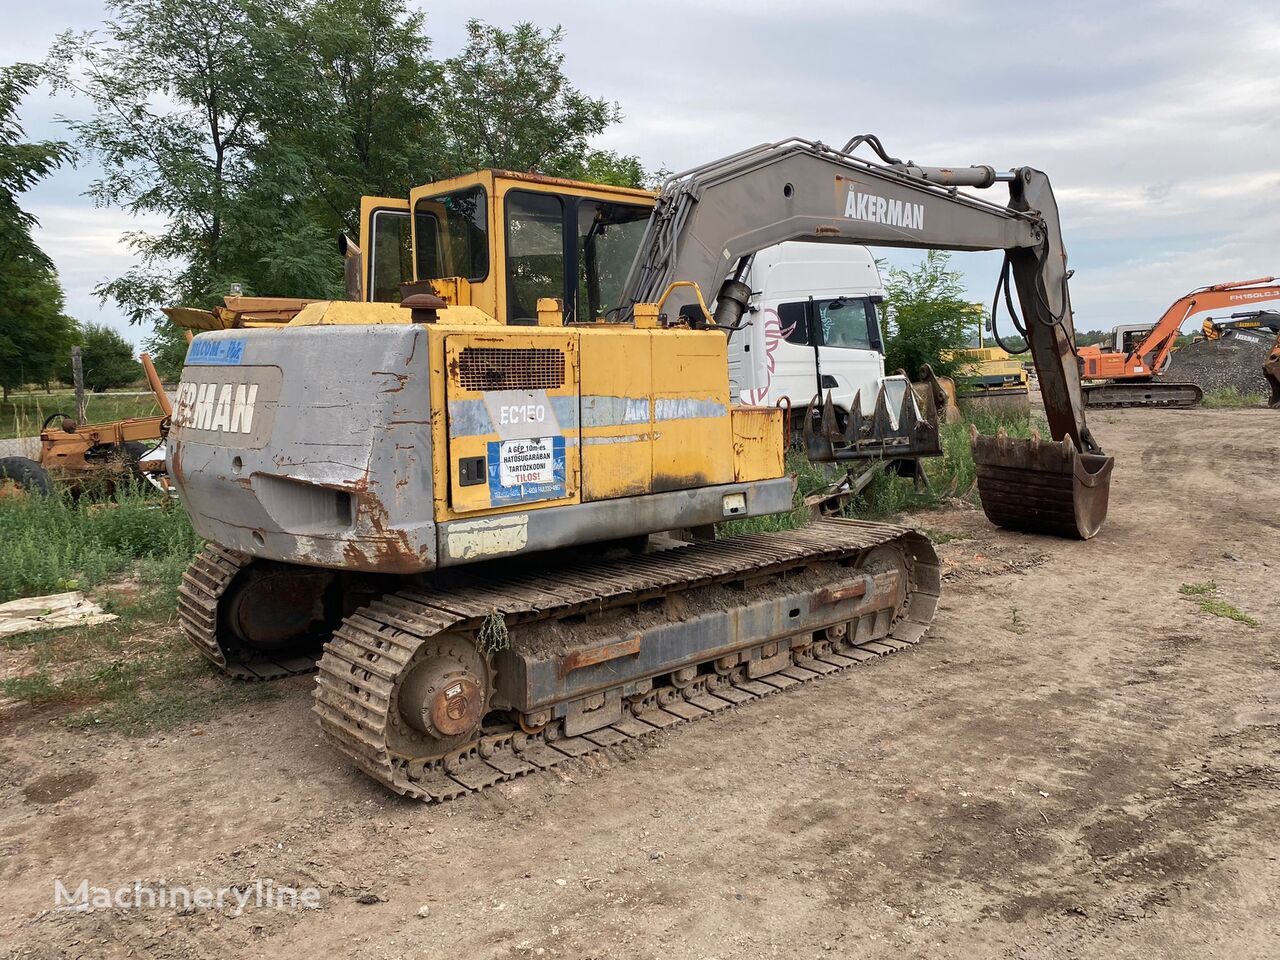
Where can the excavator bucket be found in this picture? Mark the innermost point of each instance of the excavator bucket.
(1042, 486)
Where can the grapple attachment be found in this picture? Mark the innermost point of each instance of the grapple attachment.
(896, 429)
(1042, 486)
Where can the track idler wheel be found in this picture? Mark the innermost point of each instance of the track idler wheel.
(1040, 486)
(279, 610)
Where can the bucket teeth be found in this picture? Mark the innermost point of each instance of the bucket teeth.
(881, 427)
(854, 425)
(830, 425)
(908, 422)
(904, 434)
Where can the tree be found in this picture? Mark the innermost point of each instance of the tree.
(22, 165)
(34, 331)
(106, 358)
(927, 317)
(253, 127)
(35, 334)
(181, 91)
(505, 102)
(370, 127)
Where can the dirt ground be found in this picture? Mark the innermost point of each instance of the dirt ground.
(1078, 762)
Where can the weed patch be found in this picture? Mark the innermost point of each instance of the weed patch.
(1231, 398)
(57, 543)
(1204, 595)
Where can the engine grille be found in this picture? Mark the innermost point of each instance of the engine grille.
(503, 368)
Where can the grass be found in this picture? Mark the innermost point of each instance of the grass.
(1016, 623)
(1231, 398)
(23, 414)
(944, 536)
(135, 674)
(1204, 595)
(53, 544)
(951, 476)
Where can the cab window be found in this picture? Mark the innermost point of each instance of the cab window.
(390, 255)
(535, 252)
(452, 235)
(609, 235)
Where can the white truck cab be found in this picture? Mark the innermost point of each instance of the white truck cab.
(812, 325)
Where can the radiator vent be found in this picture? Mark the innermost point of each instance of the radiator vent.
(503, 368)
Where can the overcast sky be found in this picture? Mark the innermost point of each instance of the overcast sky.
(1159, 124)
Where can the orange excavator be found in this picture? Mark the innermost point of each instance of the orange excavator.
(1129, 371)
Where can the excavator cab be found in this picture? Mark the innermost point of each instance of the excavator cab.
(501, 241)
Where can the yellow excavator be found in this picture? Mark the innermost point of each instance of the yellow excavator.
(481, 497)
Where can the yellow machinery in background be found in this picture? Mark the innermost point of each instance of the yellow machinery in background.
(992, 380)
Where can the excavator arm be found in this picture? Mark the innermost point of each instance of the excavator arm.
(709, 221)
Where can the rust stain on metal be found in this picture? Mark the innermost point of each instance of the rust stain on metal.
(402, 380)
(835, 594)
(588, 658)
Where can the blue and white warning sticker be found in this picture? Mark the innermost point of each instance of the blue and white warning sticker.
(526, 469)
(221, 353)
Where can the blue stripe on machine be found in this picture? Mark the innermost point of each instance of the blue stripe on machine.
(602, 411)
(469, 418)
(686, 408)
(208, 352)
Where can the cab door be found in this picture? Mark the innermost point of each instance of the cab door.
(386, 244)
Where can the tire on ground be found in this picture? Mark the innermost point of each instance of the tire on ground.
(26, 474)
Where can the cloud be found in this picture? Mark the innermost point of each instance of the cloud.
(1155, 122)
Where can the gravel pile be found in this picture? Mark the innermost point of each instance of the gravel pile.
(1218, 364)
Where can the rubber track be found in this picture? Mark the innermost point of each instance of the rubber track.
(363, 661)
(203, 584)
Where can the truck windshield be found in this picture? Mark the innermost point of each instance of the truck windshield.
(451, 234)
(848, 322)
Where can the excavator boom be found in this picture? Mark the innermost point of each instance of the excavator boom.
(710, 220)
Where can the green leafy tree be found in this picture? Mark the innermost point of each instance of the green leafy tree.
(370, 127)
(505, 102)
(35, 334)
(253, 127)
(34, 330)
(928, 317)
(22, 165)
(106, 358)
(181, 91)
